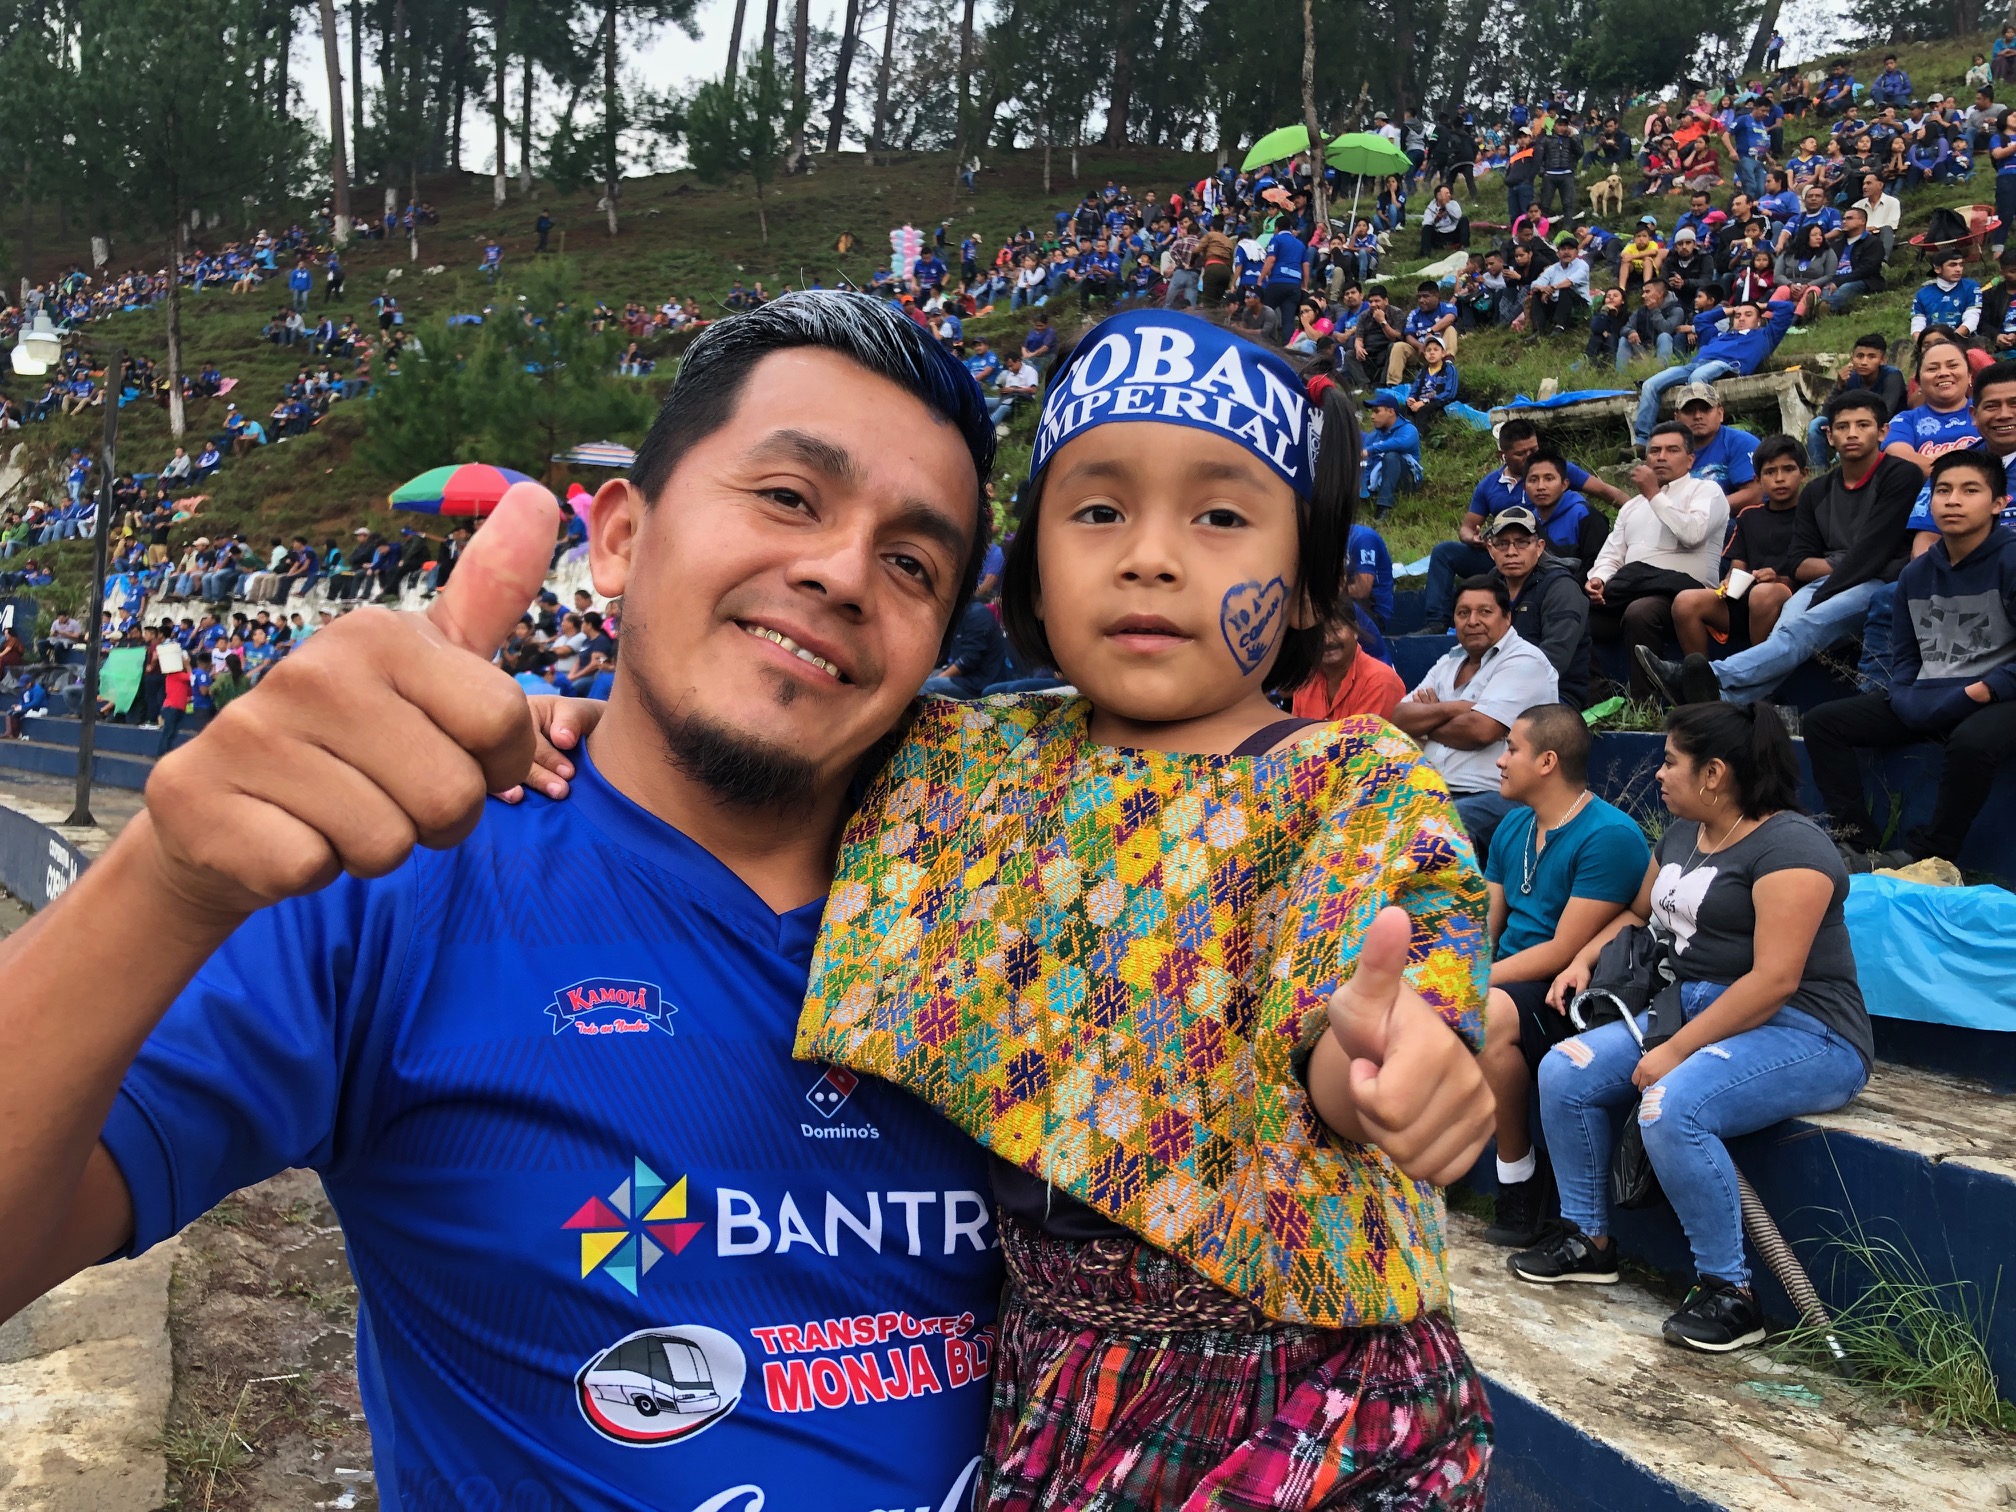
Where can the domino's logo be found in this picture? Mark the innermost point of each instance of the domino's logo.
(829, 1094)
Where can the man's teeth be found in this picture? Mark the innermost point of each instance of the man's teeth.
(778, 639)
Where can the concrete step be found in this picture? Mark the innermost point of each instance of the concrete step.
(107, 739)
(51, 760)
(1924, 1160)
(1596, 1413)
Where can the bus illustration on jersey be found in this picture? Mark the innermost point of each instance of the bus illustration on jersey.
(661, 1385)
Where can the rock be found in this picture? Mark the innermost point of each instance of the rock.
(1933, 871)
(85, 1376)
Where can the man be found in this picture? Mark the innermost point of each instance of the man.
(1749, 141)
(1755, 331)
(1760, 547)
(299, 283)
(978, 658)
(1431, 316)
(1721, 452)
(1559, 300)
(1016, 381)
(1563, 865)
(1998, 308)
(981, 362)
(1549, 608)
(1850, 541)
(1443, 224)
(1185, 265)
(1368, 580)
(1466, 556)
(1559, 156)
(1953, 673)
(487, 1104)
(1041, 341)
(1666, 540)
(1521, 169)
(1860, 268)
(1837, 94)
(544, 227)
(1464, 707)
(1284, 274)
(1891, 87)
(1347, 681)
(1653, 325)
(1882, 213)
(1373, 340)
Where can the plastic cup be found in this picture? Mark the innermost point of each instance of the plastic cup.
(1739, 582)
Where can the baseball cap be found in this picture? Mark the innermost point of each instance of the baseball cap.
(1695, 393)
(362, 530)
(1516, 516)
(1935, 99)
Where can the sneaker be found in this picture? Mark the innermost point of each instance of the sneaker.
(1565, 1254)
(1698, 680)
(1661, 673)
(1715, 1318)
(1520, 1218)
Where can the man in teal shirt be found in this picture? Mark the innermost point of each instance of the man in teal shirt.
(1562, 865)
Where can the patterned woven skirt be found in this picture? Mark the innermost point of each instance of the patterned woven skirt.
(1126, 1382)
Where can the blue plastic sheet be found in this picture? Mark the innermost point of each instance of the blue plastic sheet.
(1940, 955)
(1520, 401)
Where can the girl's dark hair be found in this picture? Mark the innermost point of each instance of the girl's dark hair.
(1750, 740)
(1323, 530)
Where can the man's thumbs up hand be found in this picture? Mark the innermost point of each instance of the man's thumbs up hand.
(1393, 1068)
(384, 731)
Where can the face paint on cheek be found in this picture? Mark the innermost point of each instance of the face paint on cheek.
(1250, 619)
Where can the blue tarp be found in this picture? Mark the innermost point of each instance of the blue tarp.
(1940, 955)
(1520, 401)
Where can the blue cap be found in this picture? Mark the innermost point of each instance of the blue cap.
(1177, 369)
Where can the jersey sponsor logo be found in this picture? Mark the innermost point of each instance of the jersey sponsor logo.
(828, 1096)
(888, 1357)
(625, 1233)
(610, 1005)
(661, 1385)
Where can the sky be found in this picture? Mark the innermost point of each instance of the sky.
(671, 57)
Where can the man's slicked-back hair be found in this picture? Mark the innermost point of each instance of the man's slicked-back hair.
(860, 328)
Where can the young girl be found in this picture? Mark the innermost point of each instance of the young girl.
(1098, 931)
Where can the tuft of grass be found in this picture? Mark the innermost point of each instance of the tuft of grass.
(209, 1453)
(1908, 1340)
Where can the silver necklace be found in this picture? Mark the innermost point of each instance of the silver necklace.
(1728, 835)
(1532, 859)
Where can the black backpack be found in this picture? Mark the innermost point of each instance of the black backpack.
(1947, 227)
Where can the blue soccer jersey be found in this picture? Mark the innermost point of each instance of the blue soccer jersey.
(614, 1247)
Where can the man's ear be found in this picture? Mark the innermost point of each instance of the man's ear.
(615, 521)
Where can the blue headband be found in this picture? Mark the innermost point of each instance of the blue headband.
(1177, 369)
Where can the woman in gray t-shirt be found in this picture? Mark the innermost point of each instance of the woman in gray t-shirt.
(1749, 892)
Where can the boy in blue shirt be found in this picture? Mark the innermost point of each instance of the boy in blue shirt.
(1949, 298)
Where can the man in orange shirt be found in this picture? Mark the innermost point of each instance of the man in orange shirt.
(1347, 681)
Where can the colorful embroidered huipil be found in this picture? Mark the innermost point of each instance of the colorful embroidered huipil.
(1108, 967)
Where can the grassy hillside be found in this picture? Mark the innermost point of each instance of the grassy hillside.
(681, 237)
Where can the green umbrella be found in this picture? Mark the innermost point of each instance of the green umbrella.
(1366, 154)
(1281, 142)
(1363, 155)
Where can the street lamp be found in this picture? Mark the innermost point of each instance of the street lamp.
(27, 365)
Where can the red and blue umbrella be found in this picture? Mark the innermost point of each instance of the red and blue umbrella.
(465, 488)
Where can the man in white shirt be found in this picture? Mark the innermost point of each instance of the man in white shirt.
(1443, 224)
(176, 469)
(1016, 380)
(1382, 125)
(1884, 211)
(1559, 299)
(1666, 540)
(1465, 706)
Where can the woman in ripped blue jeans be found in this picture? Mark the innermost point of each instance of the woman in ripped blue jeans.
(1750, 891)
